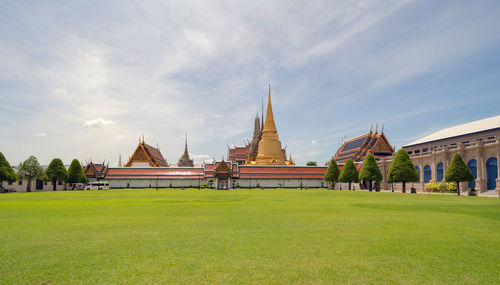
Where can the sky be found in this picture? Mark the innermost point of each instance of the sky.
(87, 79)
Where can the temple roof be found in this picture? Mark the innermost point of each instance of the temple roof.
(460, 130)
(147, 153)
(357, 148)
(156, 155)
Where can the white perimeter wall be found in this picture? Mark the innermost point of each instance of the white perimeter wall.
(162, 183)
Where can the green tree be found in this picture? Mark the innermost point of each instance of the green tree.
(349, 173)
(6, 171)
(332, 173)
(370, 171)
(30, 169)
(75, 173)
(311, 163)
(56, 172)
(402, 169)
(458, 172)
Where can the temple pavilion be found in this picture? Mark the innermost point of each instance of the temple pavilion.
(357, 148)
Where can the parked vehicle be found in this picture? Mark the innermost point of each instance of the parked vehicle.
(3, 190)
(97, 185)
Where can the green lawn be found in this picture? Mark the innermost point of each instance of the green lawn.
(247, 236)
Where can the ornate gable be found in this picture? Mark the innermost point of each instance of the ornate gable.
(222, 170)
(382, 145)
(146, 155)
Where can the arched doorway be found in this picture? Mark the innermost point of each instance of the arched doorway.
(427, 173)
(472, 165)
(439, 172)
(491, 173)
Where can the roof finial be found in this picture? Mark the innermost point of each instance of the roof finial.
(382, 129)
(376, 128)
(371, 127)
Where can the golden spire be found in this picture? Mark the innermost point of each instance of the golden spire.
(269, 126)
(269, 151)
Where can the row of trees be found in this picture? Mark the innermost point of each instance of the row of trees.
(31, 170)
(401, 170)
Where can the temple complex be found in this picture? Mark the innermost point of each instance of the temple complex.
(261, 163)
(146, 156)
(185, 161)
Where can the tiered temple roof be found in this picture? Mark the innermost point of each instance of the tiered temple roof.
(357, 148)
(95, 170)
(146, 155)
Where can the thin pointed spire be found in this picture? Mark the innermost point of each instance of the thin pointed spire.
(186, 143)
(269, 125)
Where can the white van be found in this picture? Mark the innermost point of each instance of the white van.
(97, 185)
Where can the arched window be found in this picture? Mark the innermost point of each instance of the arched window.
(418, 170)
(439, 172)
(491, 173)
(472, 165)
(427, 173)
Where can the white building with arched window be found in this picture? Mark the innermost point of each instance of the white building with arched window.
(477, 142)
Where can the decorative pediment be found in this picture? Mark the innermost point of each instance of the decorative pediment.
(382, 145)
(89, 170)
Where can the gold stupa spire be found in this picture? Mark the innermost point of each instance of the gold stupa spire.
(269, 126)
(270, 152)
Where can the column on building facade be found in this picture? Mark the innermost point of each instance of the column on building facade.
(498, 166)
(446, 160)
(481, 167)
(433, 166)
(421, 167)
(461, 150)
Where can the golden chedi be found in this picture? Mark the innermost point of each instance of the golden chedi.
(270, 151)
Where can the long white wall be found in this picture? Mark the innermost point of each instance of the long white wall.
(162, 183)
(279, 183)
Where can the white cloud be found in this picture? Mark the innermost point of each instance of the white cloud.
(199, 41)
(120, 137)
(97, 123)
(314, 141)
(42, 134)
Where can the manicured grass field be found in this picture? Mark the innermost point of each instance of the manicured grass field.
(247, 236)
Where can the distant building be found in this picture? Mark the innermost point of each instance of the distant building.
(36, 184)
(185, 161)
(477, 142)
